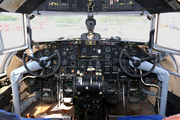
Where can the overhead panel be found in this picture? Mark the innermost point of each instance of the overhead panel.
(82, 5)
(28, 6)
(160, 6)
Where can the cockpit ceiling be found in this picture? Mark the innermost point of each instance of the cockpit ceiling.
(28, 6)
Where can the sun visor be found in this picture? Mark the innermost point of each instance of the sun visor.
(160, 6)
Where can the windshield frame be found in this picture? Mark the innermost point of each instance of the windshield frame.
(130, 13)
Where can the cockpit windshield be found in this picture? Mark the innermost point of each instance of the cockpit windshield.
(127, 27)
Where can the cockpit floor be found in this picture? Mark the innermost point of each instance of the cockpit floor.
(40, 109)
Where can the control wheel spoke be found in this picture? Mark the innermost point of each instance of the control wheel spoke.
(33, 58)
(43, 71)
(53, 55)
(148, 58)
(135, 71)
(129, 57)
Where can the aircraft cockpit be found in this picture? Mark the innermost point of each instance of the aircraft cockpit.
(89, 60)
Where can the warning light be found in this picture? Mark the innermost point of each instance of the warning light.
(70, 43)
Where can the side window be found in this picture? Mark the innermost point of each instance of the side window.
(168, 30)
(12, 32)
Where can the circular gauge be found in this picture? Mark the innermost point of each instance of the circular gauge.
(108, 49)
(147, 80)
(115, 52)
(97, 36)
(107, 56)
(64, 53)
(125, 61)
(55, 62)
(84, 50)
(72, 57)
(64, 62)
(40, 54)
(72, 50)
(47, 52)
(125, 67)
(133, 52)
(83, 36)
(115, 60)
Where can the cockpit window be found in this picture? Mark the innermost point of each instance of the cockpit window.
(132, 28)
(11, 27)
(168, 31)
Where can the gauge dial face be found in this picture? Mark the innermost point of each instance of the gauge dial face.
(64, 62)
(72, 57)
(83, 36)
(125, 61)
(47, 52)
(64, 53)
(107, 56)
(115, 60)
(115, 52)
(97, 36)
(72, 50)
(55, 62)
(108, 49)
(40, 54)
(84, 50)
(133, 52)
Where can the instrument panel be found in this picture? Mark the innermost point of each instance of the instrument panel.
(91, 57)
